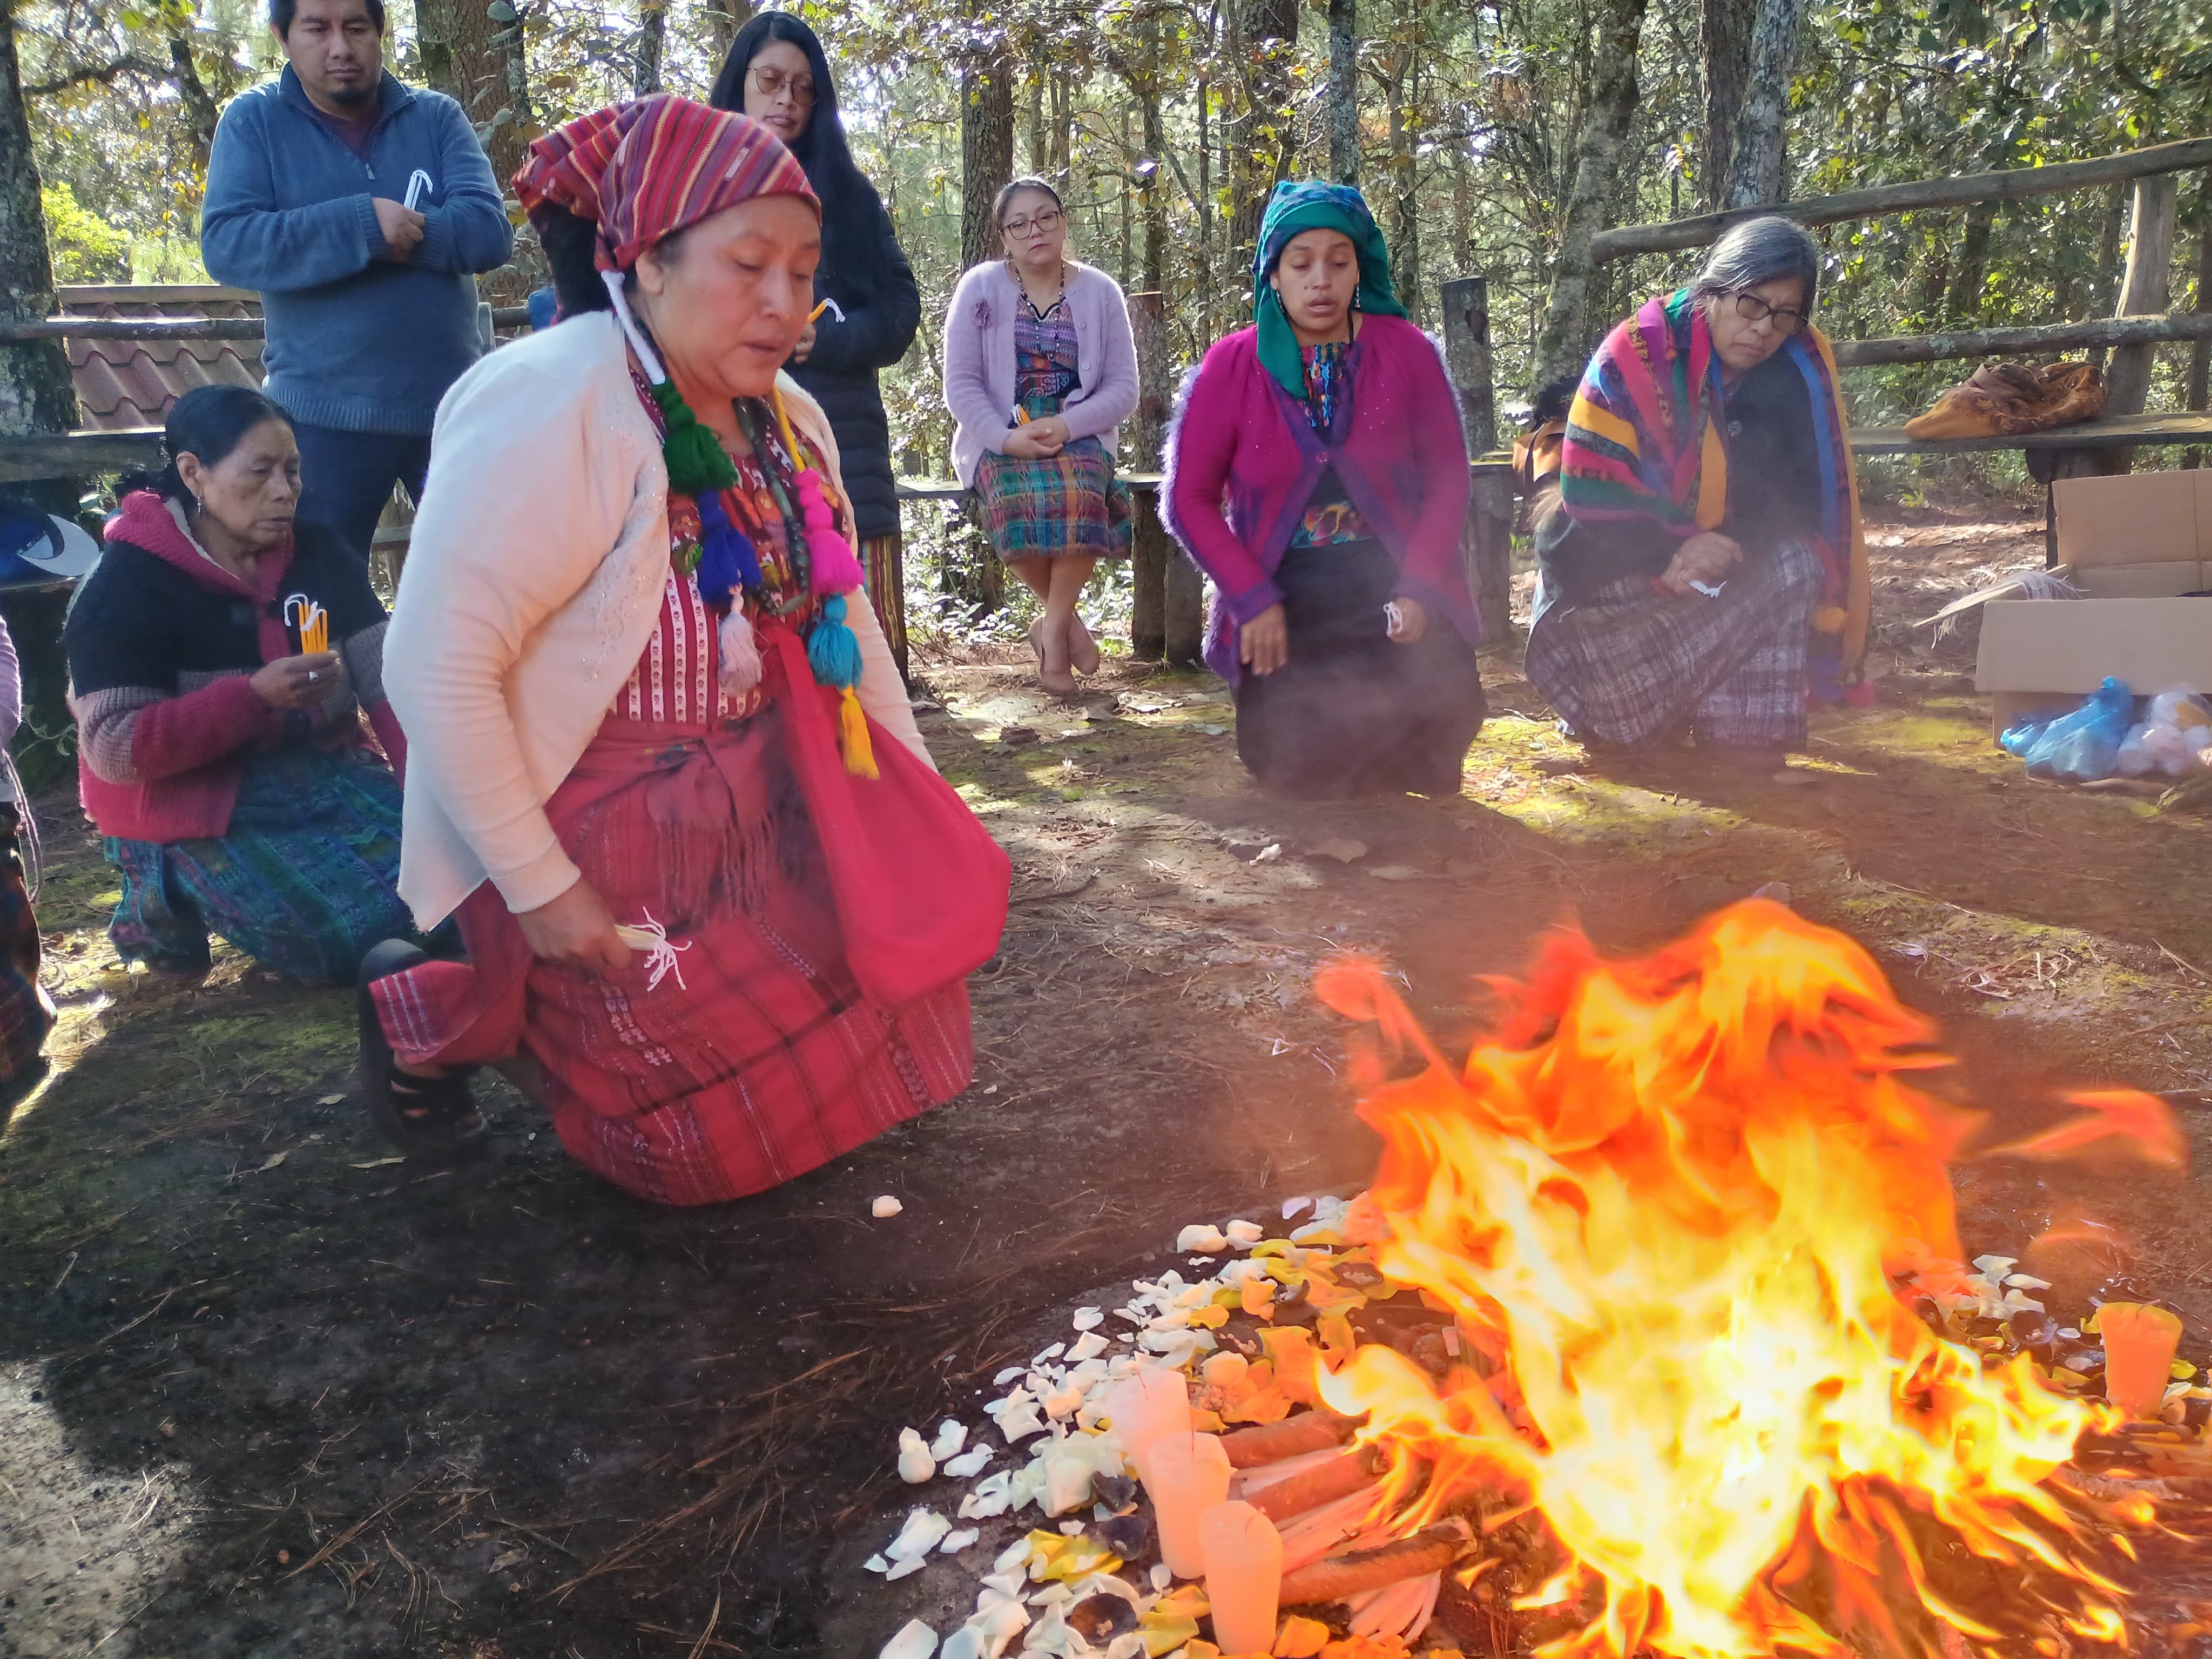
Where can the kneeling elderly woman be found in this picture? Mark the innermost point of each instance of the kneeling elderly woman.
(1704, 570)
(663, 766)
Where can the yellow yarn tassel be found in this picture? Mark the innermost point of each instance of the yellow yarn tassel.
(853, 736)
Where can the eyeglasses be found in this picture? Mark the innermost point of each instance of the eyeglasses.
(1752, 309)
(1047, 220)
(772, 82)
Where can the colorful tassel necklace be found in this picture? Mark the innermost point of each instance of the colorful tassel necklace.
(726, 562)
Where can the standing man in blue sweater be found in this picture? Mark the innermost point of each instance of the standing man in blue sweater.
(361, 209)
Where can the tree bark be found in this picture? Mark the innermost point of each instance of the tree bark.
(1266, 47)
(1964, 302)
(35, 391)
(1755, 166)
(201, 111)
(1405, 172)
(1344, 91)
(987, 153)
(724, 18)
(1724, 60)
(1564, 345)
(651, 45)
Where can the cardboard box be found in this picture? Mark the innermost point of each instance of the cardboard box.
(2134, 544)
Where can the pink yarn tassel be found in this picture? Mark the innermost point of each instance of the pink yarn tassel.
(836, 569)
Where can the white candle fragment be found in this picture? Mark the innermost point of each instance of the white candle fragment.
(1011, 1374)
(1089, 1345)
(905, 1567)
(914, 1640)
(920, 1534)
(915, 1465)
(951, 1435)
(966, 1642)
(1016, 1416)
(1088, 1319)
(1053, 1352)
(885, 1207)
(957, 1542)
(876, 1563)
(969, 1462)
(1067, 1483)
(1016, 1554)
(1162, 1577)
(1245, 1232)
(991, 1498)
(1063, 1403)
(1201, 1239)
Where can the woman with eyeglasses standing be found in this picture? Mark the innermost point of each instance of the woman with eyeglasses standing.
(776, 73)
(1703, 567)
(1039, 371)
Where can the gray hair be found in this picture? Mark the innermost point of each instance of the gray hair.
(1760, 250)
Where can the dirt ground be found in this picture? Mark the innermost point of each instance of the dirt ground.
(265, 1391)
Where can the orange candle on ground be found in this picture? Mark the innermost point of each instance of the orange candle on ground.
(1185, 1475)
(2139, 1343)
(1243, 1576)
(1146, 1407)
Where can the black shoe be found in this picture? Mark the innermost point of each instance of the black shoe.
(432, 1119)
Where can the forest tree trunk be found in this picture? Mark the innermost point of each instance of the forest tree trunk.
(1267, 34)
(201, 111)
(987, 153)
(1761, 129)
(1563, 343)
(651, 46)
(1972, 271)
(1405, 168)
(724, 19)
(1724, 62)
(1344, 91)
(35, 391)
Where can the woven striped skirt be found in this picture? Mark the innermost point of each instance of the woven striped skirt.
(305, 880)
(1067, 505)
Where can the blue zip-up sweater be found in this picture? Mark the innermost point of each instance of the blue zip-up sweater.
(354, 341)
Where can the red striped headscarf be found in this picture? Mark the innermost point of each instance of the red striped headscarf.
(646, 170)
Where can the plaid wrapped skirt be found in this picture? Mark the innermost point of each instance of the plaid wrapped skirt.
(305, 881)
(1638, 667)
(1067, 505)
(755, 1058)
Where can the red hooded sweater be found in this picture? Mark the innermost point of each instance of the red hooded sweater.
(162, 644)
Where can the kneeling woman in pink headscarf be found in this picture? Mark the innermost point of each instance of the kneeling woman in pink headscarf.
(662, 767)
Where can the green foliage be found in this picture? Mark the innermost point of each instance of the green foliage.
(85, 247)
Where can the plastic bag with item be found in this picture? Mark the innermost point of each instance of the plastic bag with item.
(2174, 731)
(2080, 746)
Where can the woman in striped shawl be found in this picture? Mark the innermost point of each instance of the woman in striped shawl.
(1703, 569)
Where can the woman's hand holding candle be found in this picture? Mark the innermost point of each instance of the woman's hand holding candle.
(297, 682)
(1408, 620)
(577, 931)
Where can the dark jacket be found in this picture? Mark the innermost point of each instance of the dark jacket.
(1774, 492)
(862, 269)
(354, 341)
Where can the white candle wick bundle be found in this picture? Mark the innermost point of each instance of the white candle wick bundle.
(660, 954)
(829, 306)
(417, 182)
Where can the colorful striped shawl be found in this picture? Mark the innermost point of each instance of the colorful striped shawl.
(1641, 443)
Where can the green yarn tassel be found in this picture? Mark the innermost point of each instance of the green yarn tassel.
(694, 455)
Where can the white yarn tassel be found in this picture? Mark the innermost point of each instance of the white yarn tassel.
(741, 659)
(660, 954)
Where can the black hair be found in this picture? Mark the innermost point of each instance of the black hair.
(821, 148)
(281, 13)
(208, 422)
(1553, 399)
(1014, 187)
(571, 244)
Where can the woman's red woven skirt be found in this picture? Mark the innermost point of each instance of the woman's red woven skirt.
(764, 1060)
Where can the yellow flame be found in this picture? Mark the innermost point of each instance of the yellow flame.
(1665, 1190)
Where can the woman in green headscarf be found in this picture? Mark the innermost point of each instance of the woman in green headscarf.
(1317, 474)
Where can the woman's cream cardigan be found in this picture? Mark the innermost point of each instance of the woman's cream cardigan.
(535, 577)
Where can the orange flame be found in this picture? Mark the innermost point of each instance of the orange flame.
(1663, 1192)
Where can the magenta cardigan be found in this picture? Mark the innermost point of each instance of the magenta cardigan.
(1243, 462)
(979, 360)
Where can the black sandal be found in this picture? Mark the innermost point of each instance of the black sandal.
(426, 1118)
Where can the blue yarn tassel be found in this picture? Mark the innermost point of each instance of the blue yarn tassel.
(834, 653)
(727, 563)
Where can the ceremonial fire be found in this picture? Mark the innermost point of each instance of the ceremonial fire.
(1654, 1310)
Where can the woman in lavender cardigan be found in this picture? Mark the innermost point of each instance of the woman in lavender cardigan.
(1317, 474)
(1040, 369)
